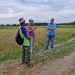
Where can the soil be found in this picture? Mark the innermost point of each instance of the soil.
(55, 67)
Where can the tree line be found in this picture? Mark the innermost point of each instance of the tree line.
(39, 24)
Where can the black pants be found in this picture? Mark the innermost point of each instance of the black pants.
(26, 54)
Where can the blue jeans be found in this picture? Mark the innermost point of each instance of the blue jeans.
(50, 38)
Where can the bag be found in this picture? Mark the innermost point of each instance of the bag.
(18, 39)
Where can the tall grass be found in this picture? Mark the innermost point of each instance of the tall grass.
(10, 50)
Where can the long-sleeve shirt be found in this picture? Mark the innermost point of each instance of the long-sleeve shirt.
(24, 31)
(24, 35)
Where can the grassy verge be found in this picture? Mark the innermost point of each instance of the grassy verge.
(64, 49)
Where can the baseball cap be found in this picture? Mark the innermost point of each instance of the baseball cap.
(31, 20)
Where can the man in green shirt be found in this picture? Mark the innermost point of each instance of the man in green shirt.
(26, 54)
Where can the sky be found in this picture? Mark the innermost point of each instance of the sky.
(39, 10)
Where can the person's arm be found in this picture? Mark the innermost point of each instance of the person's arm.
(24, 31)
(51, 28)
(30, 30)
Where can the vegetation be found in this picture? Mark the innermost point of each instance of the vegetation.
(63, 49)
(40, 24)
(10, 50)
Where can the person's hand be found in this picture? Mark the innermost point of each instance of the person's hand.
(29, 37)
(51, 29)
(48, 28)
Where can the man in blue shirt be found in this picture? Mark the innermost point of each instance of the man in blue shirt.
(50, 34)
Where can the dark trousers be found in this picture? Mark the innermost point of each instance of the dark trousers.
(26, 54)
(50, 38)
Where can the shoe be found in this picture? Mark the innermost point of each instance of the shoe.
(52, 47)
(45, 49)
(29, 65)
(22, 63)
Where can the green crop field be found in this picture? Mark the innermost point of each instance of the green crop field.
(10, 50)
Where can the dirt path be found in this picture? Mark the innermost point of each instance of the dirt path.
(56, 67)
(59, 66)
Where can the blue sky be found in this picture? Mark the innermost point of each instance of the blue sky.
(39, 10)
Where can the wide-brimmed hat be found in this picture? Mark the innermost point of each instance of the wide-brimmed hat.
(21, 20)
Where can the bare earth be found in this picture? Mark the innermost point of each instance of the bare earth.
(56, 67)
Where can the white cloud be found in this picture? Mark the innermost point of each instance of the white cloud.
(39, 10)
(10, 10)
(11, 14)
(67, 12)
